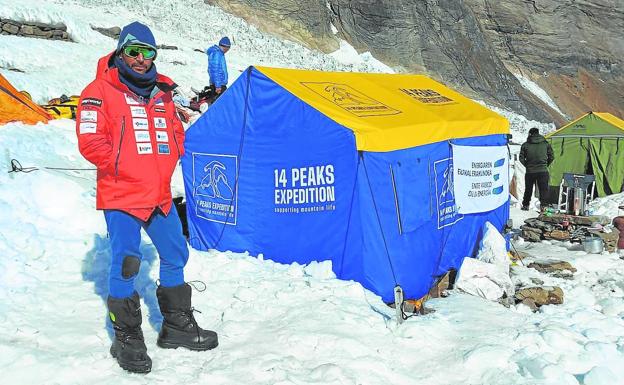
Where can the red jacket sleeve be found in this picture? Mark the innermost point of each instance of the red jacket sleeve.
(92, 129)
(178, 131)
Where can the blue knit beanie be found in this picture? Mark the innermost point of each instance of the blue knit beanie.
(225, 42)
(136, 33)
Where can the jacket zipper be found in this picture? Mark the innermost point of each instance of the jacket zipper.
(123, 128)
(174, 137)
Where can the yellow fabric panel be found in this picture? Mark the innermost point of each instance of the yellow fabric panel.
(15, 106)
(390, 111)
(566, 126)
(611, 119)
(614, 120)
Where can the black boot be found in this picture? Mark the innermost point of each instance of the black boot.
(179, 327)
(128, 346)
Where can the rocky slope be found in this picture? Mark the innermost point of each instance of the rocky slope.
(574, 49)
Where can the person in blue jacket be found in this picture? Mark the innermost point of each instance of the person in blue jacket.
(217, 67)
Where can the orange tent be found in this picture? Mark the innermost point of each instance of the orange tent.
(15, 106)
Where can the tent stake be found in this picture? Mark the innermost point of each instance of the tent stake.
(398, 303)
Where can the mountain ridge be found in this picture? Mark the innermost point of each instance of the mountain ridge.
(570, 48)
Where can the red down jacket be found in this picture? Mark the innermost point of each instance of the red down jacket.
(134, 144)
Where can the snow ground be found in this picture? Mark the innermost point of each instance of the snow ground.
(277, 324)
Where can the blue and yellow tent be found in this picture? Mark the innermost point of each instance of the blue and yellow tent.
(349, 167)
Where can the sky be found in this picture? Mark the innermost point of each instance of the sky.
(277, 324)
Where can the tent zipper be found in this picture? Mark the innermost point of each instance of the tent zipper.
(174, 138)
(396, 201)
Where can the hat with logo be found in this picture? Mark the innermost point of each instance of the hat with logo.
(136, 33)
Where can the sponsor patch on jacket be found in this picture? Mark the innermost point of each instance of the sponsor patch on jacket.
(159, 102)
(88, 128)
(142, 136)
(140, 124)
(144, 148)
(131, 99)
(88, 116)
(138, 112)
(160, 109)
(163, 148)
(91, 102)
(161, 136)
(160, 123)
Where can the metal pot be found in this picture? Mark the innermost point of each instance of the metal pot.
(593, 245)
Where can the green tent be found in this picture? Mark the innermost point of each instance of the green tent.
(592, 144)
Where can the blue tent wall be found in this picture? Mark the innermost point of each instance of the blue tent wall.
(376, 253)
(227, 119)
(257, 127)
(281, 133)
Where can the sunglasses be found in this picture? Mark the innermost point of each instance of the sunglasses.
(134, 51)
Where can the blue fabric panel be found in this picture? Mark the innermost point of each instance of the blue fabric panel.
(297, 170)
(430, 241)
(216, 137)
(463, 240)
(403, 254)
(292, 186)
(304, 165)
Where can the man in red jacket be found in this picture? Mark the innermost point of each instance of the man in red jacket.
(127, 127)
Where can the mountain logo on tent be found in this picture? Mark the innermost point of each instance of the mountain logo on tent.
(215, 183)
(350, 99)
(446, 193)
(214, 197)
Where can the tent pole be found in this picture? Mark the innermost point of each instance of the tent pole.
(398, 303)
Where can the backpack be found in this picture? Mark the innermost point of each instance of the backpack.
(64, 107)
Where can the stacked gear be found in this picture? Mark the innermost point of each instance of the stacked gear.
(64, 107)
(205, 96)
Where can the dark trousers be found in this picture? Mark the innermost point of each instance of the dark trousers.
(530, 178)
(213, 88)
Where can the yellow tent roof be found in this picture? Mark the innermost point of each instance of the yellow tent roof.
(614, 120)
(611, 119)
(390, 111)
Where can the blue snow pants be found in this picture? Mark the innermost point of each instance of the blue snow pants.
(124, 231)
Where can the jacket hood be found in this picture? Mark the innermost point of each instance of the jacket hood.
(536, 138)
(214, 48)
(108, 72)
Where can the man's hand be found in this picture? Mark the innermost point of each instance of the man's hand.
(218, 90)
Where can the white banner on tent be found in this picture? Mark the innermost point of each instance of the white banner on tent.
(480, 178)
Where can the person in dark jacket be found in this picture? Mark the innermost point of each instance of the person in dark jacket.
(536, 155)
(127, 127)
